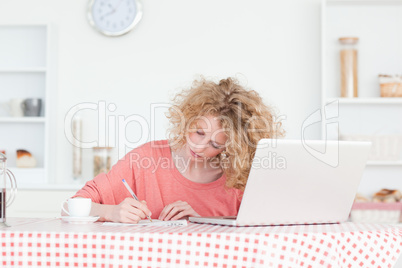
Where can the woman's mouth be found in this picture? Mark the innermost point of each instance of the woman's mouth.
(194, 154)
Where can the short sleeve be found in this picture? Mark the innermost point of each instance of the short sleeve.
(108, 188)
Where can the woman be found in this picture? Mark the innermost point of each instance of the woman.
(201, 170)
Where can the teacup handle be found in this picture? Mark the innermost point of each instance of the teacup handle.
(63, 209)
(13, 193)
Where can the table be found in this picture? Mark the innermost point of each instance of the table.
(50, 242)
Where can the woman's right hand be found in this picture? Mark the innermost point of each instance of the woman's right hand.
(128, 211)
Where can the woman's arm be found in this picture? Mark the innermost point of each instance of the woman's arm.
(109, 195)
(101, 210)
(128, 211)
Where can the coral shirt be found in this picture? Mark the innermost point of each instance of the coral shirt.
(151, 173)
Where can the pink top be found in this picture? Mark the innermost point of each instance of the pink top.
(151, 173)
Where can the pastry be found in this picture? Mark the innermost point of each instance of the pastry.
(25, 159)
(360, 198)
(387, 196)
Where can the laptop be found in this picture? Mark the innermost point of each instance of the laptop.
(299, 182)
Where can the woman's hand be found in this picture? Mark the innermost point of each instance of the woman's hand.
(177, 210)
(128, 211)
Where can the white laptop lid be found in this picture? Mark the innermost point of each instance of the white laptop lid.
(299, 182)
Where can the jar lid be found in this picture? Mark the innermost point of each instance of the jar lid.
(348, 40)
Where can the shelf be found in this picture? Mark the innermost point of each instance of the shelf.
(366, 100)
(364, 1)
(34, 179)
(369, 113)
(26, 170)
(22, 119)
(50, 187)
(384, 163)
(29, 175)
(23, 70)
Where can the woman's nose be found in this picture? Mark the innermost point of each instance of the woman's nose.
(203, 144)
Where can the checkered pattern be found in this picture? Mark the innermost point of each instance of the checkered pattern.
(53, 243)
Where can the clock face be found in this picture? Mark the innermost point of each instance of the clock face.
(114, 17)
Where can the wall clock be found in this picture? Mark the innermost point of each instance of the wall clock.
(114, 17)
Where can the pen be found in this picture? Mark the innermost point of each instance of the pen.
(133, 194)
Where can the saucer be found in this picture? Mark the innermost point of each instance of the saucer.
(80, 220)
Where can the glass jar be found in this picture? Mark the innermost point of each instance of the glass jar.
(77, 150)
(6, 198)
(348, 57)
(102, 159)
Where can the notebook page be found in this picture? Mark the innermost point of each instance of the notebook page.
(148, 223)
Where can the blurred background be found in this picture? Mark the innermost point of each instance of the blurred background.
(117, 89)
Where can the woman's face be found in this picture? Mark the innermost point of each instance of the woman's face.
(207, 139)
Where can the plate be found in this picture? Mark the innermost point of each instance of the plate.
(79, 220)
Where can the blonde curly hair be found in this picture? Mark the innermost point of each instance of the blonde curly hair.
(244, 118)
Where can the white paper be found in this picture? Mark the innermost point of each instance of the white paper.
(148, 223)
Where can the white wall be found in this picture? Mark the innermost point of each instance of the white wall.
(272, 46)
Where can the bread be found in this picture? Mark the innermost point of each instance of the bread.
(387, 196)
(360, 198)
(25, 159)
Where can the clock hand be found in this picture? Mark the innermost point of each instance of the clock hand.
(118, 5)
(114, 9)
(108, 13)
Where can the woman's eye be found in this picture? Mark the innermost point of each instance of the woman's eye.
(215, 146)
(200, 133)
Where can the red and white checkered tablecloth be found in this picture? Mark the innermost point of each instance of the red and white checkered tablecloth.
(53, 243)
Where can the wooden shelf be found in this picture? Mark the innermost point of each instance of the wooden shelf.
(22, 119)
(366, 100)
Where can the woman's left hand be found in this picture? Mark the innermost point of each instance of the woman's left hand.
(177, 210)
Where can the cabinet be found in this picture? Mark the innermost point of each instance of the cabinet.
(377, 24)
(24, 73)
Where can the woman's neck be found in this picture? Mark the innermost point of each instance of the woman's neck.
(196, 170)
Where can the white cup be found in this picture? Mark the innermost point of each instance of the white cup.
(16, 107)
(77, 207)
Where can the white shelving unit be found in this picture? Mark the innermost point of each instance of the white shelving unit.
(377, 24)
(24, 73)
(22, 120)
(366, 100)
(24, 70)
(384, 163)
